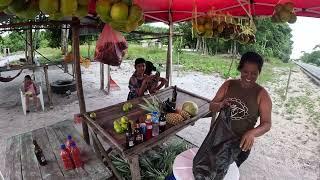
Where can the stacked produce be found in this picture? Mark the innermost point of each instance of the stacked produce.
(122, 16)
(284, 13)
(56, 9)
(225, 27)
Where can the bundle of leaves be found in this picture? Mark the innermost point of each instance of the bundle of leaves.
(155, 164)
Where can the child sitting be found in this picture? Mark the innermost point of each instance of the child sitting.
(30, 91)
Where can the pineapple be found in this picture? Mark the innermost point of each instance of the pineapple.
(185, 114)
(152, 105)
(174, 118)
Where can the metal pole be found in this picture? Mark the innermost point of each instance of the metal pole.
(169, 52)
(76, 55)
(101, 76)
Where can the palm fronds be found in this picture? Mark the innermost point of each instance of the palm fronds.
(155, 164)
(151, 105)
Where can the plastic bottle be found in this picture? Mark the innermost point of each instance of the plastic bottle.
(155, 124)
(149, 129)
(66, 158)
(76, 156)
(69, 142)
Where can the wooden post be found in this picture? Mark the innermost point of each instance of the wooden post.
(101, 76)
(76, 55)
(108, 79)
(45, 68)
(169, 52)
(134, 167)
(288, 84)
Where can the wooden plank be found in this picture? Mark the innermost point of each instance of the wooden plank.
(55, 141)
(29, 163)
(51, 170)
(134, 167)
(13, 159)
(92, 165)
(95, 139)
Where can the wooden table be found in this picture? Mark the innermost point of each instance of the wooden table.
(21, 162)
(102, 125)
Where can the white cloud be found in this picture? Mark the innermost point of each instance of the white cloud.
(306, 35)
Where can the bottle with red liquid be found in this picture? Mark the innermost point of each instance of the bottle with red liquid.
(66, 158)
(69, 142)
(75, 155)
(149, 129)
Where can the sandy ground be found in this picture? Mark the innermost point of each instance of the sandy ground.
(289, 151)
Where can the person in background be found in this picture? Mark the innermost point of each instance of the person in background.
(153, 85)
(248, 101)
(29, 89)
(138, 81)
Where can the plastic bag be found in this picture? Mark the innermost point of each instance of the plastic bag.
(219, 149)
(111, 47)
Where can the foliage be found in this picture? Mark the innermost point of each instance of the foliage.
(14, 41)
(313, 57)
(273, 40)
(155, 164)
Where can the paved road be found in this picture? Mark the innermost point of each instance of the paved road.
(314, 70)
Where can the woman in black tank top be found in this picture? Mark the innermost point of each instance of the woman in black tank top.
(248, 102)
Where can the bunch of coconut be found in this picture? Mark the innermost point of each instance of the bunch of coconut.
(58, 9)
(246, 32)
(120, 15)
(21, 8)
(202, 26)
(284, 13)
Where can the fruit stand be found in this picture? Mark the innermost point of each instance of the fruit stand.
(102, 125)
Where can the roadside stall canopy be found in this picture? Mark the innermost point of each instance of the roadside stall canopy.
(182, 10)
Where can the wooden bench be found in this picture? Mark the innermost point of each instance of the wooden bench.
(21, 162)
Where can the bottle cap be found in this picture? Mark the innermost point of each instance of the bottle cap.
(69, 137)
(73, 144)
(155, 112)
(34, 142)
(63, 146)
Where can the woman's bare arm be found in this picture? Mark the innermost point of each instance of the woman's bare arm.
(265, 108)
(218, 101)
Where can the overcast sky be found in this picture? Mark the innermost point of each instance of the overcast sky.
(306, 35)
(305, 32)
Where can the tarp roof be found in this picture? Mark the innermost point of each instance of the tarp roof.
(181, 10)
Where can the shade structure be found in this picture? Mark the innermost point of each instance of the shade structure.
(181, 10)
(182, 167)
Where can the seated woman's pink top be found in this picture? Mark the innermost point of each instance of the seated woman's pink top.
(31, 89)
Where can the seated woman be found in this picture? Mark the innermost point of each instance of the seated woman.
(139, 82)
(30, 91)
(153, 85)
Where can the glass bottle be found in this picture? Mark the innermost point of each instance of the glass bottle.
(162, 122)
(138, 134)
(39, 154)
(129, 136)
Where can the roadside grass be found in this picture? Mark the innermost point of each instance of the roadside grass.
(190, 61)
(305, 102)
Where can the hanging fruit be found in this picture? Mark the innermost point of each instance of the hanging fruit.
(284, 13)
(121, 15)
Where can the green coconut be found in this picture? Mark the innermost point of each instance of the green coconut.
(4, 3)
(190, 107)
(68, 7)
(49, 6)
(119, 11)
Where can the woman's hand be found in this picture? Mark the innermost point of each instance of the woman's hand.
(247, 140)
(217, 106)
